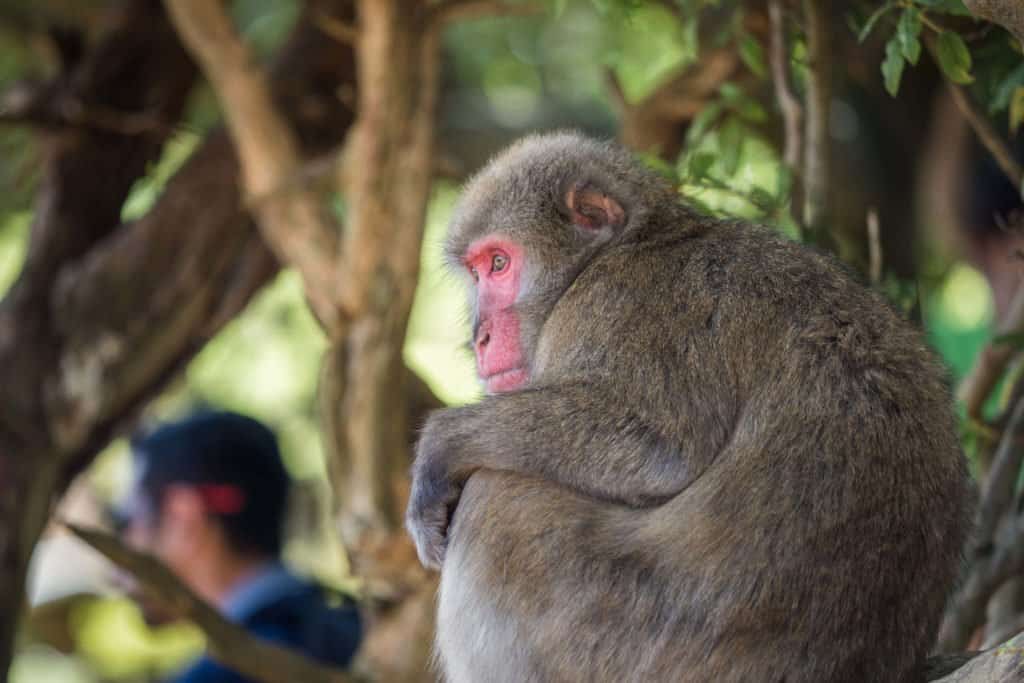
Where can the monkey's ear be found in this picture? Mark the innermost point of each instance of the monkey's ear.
(592, 209)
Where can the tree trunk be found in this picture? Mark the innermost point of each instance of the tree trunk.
(391, 157)
(104, 313)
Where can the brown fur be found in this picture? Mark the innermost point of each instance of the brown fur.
(732, 462)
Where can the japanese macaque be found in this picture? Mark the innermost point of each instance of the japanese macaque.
(706, 453)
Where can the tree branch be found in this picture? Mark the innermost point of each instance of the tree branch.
(789, 103)
(816, 137)
(291, 221)
(177, 287)
(874, 247)
(229, 643)
(992, 360)
(993, 557)
(988, 136)
(1001, 482)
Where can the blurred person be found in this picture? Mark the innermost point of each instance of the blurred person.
(209, 499)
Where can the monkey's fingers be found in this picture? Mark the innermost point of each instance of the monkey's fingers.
(428, 529)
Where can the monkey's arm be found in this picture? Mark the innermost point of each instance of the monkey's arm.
(576, 435)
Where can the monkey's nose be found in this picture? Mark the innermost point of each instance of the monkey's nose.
(483, 340)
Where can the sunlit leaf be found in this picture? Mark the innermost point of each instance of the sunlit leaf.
(730, 140)
(785, 182)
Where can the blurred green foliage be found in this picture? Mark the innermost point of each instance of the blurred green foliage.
(514, 73)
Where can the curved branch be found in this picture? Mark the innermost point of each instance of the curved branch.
(789, 103)
(290, 220)
(229, 643)
(976, 386)
(988, 136)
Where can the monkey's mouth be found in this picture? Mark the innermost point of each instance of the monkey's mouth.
(506, 380)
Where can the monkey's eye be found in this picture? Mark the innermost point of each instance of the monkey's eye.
(475, 274)
(498, 263)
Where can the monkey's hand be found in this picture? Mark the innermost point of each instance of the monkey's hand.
(435, 488)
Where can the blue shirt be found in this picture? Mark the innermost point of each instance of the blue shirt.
(279, 606)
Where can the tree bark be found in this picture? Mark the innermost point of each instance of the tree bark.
(392, 147)
(104, 313)
(138, 66)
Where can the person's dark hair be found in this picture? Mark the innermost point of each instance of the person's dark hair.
(234, 463)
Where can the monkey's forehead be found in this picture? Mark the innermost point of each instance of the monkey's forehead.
(523, 183)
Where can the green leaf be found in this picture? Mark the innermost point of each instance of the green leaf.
(954, 57)
(1006, 89)
(785, 182)
(1016, 109)
(892, 66)
(745, 106)
(762, 198)
(699, 164)
(907, 31)
(865, 31)
(752, 54)
(703, 122)
(730, 142)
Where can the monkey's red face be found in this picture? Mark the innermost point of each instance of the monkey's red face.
(496, 263)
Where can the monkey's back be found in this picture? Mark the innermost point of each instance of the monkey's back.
(822, 526)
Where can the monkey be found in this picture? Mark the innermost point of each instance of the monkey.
(705, 452)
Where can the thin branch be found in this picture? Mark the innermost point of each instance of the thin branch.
(976, 386)
(292, 223)
(229, 643)
(816, 138)
(988, 136)
(966, 611)
(341, 31)
(1001, 481)
(874, 247)
(993, 560)
(789, 103)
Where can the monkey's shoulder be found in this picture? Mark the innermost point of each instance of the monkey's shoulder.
(735, 280)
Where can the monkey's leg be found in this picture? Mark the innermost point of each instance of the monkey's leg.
(541, 584)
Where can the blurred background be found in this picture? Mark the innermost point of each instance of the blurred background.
(893, 144)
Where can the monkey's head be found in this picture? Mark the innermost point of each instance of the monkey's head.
(527, 225)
